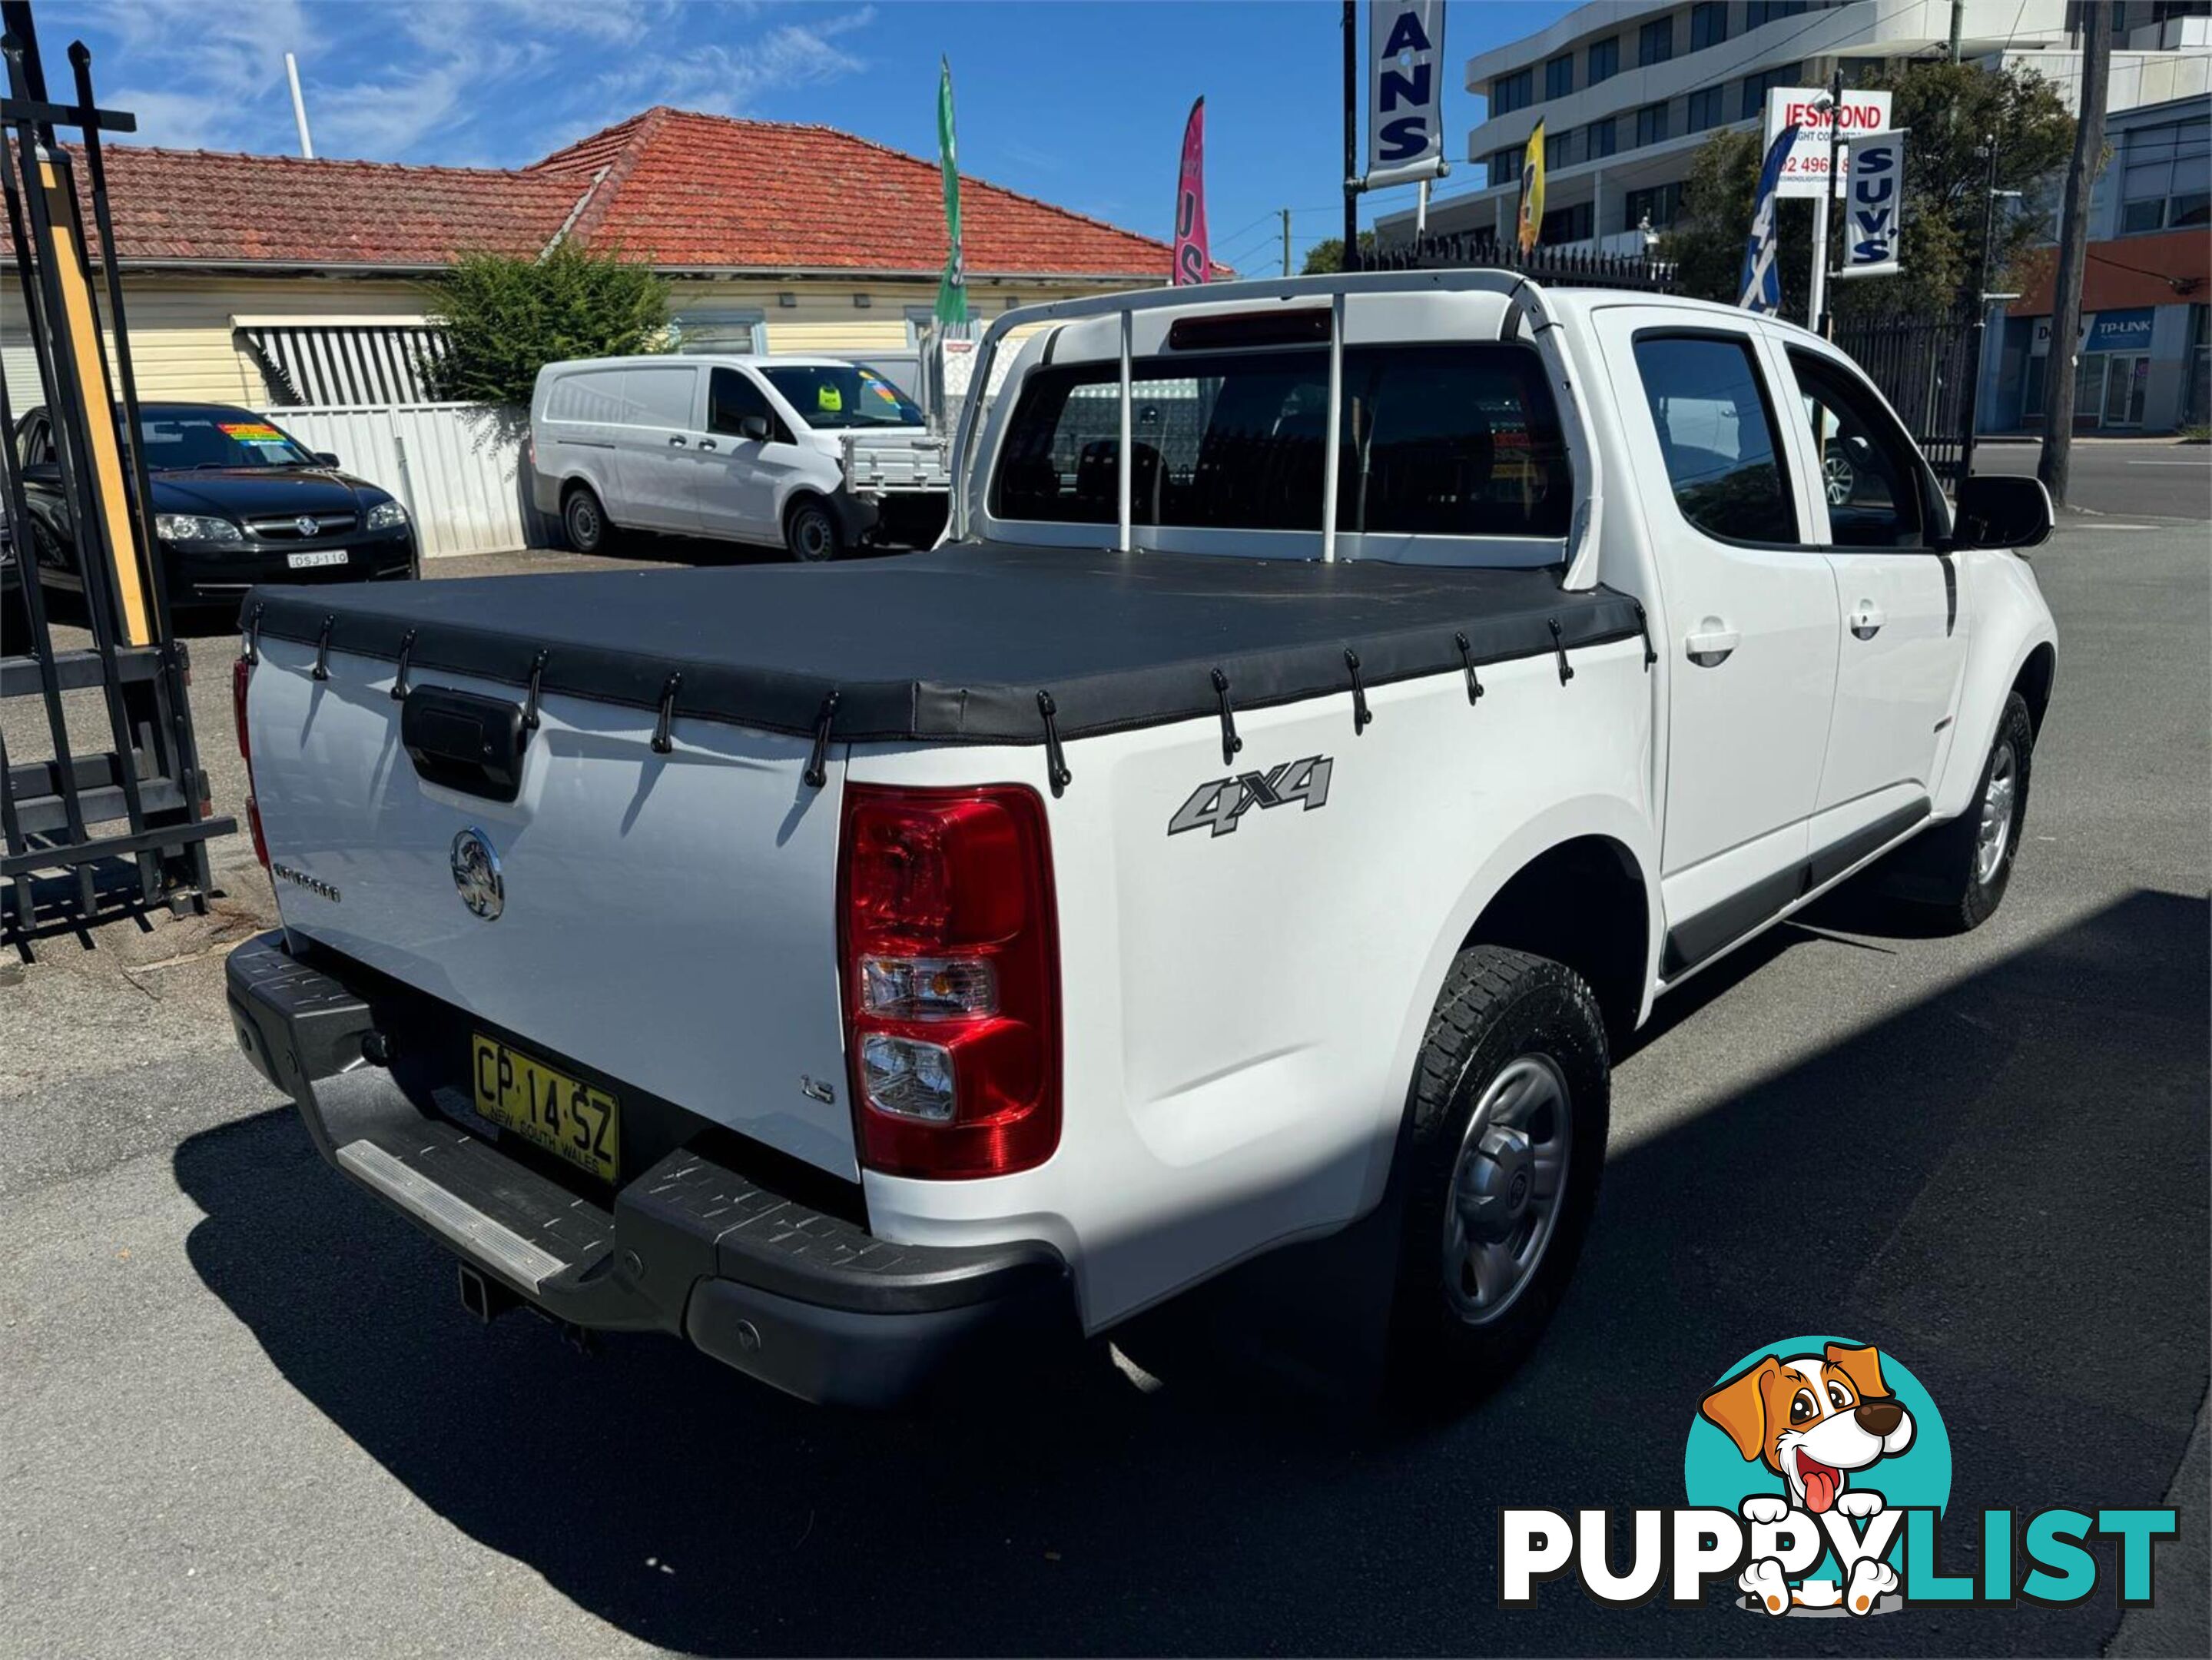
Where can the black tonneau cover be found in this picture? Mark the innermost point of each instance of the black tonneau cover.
(953, 646)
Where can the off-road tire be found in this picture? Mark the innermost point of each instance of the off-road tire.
(1497, 1007)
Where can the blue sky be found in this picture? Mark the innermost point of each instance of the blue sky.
(1081, 104)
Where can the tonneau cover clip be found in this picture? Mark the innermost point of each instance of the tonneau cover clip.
(399, 680)
(1644, 623)
(1230, 743)
(1055, 761)
(662, 744)
(251, 652)
(1559, 645)
(323, 647)
(1360, 716)
(530, 698)
(818, 759)
(1467, 660)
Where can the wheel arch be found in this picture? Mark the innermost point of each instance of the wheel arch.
(2014, 647)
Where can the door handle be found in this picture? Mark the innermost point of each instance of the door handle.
(676, 439)
(1866, 620)
(1709, 644)
(705, 443)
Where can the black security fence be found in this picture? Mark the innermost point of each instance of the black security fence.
(1924, 365)
(1566, 267)
(118, 783)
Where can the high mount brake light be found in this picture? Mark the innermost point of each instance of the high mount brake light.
(951, 973)
(241, 678)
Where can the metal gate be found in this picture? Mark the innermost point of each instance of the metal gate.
(1925, 366)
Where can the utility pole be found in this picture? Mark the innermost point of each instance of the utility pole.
(1958, 26)
(2072, 254)
(1816, 300)
(1969, 417)
(1351, 135)
(1287, 241)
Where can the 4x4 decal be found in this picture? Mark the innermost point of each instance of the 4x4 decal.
(1221, 803)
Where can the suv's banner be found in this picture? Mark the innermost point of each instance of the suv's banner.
(1405, 91)
(1872, 204)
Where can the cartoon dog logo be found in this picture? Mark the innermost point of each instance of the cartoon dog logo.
(1814, 1420)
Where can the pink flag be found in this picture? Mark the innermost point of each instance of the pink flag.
(1191, 261)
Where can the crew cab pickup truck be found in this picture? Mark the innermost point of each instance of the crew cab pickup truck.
(1338, 709)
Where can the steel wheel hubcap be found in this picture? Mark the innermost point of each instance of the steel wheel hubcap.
(1506, 1188)
(1995, 832)
(813, 536)
(583, 520)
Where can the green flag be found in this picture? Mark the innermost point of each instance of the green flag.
(952, 290)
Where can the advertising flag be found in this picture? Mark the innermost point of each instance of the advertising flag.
(1762, 281)
(1872, 198)
(952, 290)
(1532, 190)
(1191, 260)
(1405, 91)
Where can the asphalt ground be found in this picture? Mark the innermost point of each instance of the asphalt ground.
(240, 1414)
(2119, 477)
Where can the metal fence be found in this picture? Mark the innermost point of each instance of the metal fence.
(1570, 268)
(461, 469)
(1925, 366)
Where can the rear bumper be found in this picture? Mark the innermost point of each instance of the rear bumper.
(799, 1299)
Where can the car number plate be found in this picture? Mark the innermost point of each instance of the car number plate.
(303, 560)
(547, 1107)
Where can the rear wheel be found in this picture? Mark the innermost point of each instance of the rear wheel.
(1510, 1104)
(584, 521)
(810, 531)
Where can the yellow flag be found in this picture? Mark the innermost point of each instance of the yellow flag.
(1532, 189)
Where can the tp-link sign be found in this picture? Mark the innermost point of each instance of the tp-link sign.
(1872, 205)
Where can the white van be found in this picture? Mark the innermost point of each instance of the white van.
(740, 448)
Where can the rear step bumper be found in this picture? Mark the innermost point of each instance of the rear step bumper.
(801, 1299)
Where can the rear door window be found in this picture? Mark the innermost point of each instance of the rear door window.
(1717, 436)
(660, 396)
(1450, 440)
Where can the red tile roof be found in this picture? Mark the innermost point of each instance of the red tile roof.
(706, 190)
(217, 207)
(685, 191)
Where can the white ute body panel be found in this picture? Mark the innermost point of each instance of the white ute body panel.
(1241, 1013)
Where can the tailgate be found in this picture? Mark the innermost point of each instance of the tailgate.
(667, 920)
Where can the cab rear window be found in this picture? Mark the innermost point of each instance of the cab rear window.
(1458, 439)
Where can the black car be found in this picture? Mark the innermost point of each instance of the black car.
(236, 501)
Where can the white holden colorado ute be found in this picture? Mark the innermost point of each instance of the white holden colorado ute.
(1338, 709)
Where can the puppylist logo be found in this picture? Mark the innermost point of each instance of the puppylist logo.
(1817, 1471)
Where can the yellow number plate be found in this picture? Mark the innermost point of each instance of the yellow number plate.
(561, 1114)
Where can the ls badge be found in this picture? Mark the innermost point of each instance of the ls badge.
(1221, 803)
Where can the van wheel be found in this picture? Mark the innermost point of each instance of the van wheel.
(584, 521)
(1960, 871)
(1510, 1100)
(810, 531)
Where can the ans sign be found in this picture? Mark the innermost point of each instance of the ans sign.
(1806, 167)
(1405, 108)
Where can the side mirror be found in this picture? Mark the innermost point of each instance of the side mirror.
(328, 458)
(755, 427)
(1998, 512)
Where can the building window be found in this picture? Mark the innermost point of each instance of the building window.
(1654, 41)
(1604, 61)
(1756, 87)
(1708, 24)
(1559, 150)
(1759, 12)
(1559, 75)
(1512, 92)
(1505, 166)
(1600, 139)
(1705, 110)
(2166, 181)
(1567, 224)
(1660, 202)
(737, 330)
(1651, 125)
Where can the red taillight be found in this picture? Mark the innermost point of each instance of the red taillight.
(241, 678)
(952, 965)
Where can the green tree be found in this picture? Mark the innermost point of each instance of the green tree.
(1951, 108)
(1327, 256)
(506, 318)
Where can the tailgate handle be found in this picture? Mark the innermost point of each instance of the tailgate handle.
(463, 742)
